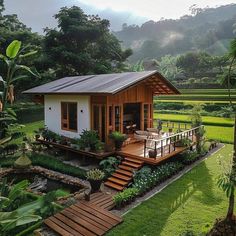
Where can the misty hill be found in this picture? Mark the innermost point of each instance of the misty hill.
(208, 29)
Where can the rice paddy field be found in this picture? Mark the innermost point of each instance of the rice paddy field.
(203, 95)
(217, 128)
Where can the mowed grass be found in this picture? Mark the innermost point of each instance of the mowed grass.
(192, 203)
(222, 134)
(186, 118)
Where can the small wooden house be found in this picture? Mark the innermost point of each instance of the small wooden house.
(104, 103)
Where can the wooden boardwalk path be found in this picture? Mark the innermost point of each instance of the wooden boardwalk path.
(86, 218)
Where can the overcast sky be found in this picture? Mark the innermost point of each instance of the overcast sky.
(38, 14)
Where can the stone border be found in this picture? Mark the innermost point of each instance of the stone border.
(66, 179)
(166, 183)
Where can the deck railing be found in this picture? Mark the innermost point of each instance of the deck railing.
(170, 142)
(175, 125)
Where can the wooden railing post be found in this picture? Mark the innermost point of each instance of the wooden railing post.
(161, 148)
(145, 146)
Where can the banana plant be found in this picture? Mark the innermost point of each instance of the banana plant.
(14, 54)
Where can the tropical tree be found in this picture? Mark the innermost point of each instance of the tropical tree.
(14, 55)
(168, 68)
(228, 180)
(82, 45)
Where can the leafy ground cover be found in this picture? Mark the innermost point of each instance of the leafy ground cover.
(189, 205)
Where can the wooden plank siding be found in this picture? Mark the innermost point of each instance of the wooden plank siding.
(140, 93)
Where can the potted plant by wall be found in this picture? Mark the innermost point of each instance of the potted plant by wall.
(118, 139)
(95, 177)
(88, 140)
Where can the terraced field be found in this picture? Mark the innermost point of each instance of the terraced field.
(216, 95)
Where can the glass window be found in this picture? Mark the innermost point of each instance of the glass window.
(69, 116)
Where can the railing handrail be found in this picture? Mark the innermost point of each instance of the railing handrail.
(174, 135)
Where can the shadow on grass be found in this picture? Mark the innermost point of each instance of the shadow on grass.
(151, 217)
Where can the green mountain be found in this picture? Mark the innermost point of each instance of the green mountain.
(208, 29)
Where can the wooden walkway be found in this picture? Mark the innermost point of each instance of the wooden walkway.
(86, 218)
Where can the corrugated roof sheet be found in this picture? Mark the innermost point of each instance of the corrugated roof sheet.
(95, 84)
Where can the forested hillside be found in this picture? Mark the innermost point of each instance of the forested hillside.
(209, 30)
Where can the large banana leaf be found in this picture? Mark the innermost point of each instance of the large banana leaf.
(28, 54)
(13, 49)
(23, 67)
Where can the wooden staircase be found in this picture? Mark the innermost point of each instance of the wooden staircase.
(124, 174)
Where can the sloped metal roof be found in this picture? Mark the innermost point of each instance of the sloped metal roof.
(97, 84)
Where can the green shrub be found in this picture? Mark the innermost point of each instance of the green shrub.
(142, 173)
(57, 165)
(158, 175)
(189, 157)
(125, 196)
(109, 165)
(95, 174)
(89, 139)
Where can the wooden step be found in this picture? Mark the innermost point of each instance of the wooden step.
(128, 168)
(133, 160)
(120, 176)
(123, 172)
(113, 185)
(118, 181)
(131, 164)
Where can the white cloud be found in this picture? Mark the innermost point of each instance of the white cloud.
(155, 9)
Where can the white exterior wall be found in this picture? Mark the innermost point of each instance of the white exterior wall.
(52, 111)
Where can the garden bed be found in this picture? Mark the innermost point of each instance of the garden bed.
(139, 198)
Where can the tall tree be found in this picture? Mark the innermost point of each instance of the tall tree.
(228, 180)
(82, 45)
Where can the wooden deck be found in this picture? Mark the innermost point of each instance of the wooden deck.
(86, 218)
(136, 151)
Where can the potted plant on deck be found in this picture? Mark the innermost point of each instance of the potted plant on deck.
(95, 178)
(118, 139)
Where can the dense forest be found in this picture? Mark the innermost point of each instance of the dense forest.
(208, 29)
(80, 44)
(191, 51)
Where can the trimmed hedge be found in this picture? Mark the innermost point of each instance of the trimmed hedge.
(57, 165)
(49, 163)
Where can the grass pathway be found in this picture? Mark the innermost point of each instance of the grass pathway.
(189, 204)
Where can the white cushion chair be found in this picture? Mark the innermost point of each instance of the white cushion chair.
(140, 135)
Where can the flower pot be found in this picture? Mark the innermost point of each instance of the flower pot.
(95, 185)
(152, 153)
(118, 145)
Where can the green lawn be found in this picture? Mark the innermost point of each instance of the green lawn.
(28, 129)
(221, 133)
(185, 118)
(191, 203)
